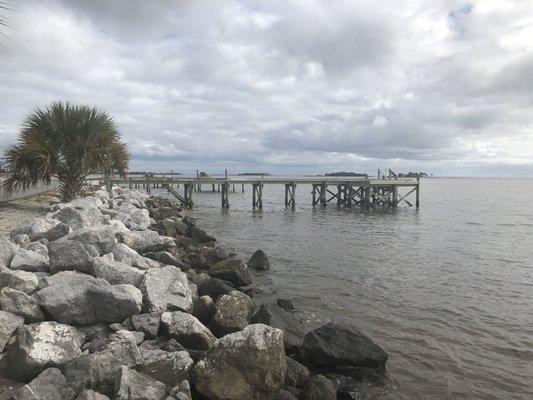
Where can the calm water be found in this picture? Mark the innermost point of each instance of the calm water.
(447, 290)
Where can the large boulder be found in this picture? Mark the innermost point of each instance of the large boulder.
(91, 395)
(20, 303)
(125, 255)
(253, 360)
(136, 220)
(71, 297)
(97, 371)
(19, 280)
(7, 251)
(187, 330)
(167, 258)
(318, 387)
(200, 235)
(232, 270)
(40, 346)
(233, 313)
(35, 228)
(182, 391)
(8, 325)
(168, 367)
(338, 346)
(117, 273)
(132, 385)
(101, 237)
(28, 260)
(146, 241)
(214, 288)
(203, 308)
(297, 374)
(290, 322)
(79, 219)
(259, 261)
(70, 255)
(166, 289)
(49, 385)
(56, 232)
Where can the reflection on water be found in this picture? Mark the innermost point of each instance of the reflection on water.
(447, 290)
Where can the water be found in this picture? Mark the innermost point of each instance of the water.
(447, 290)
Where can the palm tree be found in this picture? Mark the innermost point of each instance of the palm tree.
(67, 142)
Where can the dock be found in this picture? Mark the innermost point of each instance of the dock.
(363, 192)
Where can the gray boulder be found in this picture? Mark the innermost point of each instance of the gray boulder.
(259, 261)
(19, 280)
(137, 220)
(214, 288)
(319, 387)
(124, 254)
(166, 289)
(233, 313)
(148, 324)
(101, 237)
(132, 385)
(167, 367)
(203, 308)
(297, 374)
(54, 233)
(232, 270)
(340, 346)
(8, 325)
(97, 371)
(253, 360)
(71, 297)
(39, 247)
(290, 322)
(77, 219)
(200, 235)
(28, 260)
(21, 304)
(70, 255)
(166, 258)
(117, 273)
(187, 330)
(7, 251)
(40, 346)
(182, 391)
(49, 385)
(146, 241)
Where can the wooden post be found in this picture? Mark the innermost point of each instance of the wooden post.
(225, 195)
(417, 192)
(314, 195)
(257, 195)
(339, 195)
(395, 196)
(243, 187)
(187, 193)
(350, 195)
(213, 187)
(323, 194)
(290, 195)
(366, 202)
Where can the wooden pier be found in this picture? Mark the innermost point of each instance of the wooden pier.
(346, 192)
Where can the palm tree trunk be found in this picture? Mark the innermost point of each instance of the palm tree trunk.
(70, 186)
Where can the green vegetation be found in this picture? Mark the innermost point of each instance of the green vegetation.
(67, 142)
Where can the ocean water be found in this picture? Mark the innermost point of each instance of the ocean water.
(446, 290)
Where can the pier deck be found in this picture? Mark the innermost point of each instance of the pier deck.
(344, 191)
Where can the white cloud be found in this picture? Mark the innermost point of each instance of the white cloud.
(286, 85)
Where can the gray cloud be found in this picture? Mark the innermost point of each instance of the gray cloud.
(287, 86)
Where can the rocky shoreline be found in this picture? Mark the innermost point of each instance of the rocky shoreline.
(122, 296)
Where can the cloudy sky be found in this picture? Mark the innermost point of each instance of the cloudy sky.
(286, 86)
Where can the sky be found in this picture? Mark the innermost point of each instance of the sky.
(285, 86)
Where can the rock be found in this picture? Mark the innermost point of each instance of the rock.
(337, 345)
(21, 240)
(286, 304)
(117, 273)
(146, 241)
(138, 220)
(91, 395)
(101, 237)
(70, 255)
(259, 261)
(166, 289)
(149, 324)
(19, 280)
(132, 385)
(215, 288)
(233, 313)
(167, 367)
(169, 227)
(97, 371)
(253, 360)
(319, 387)
(39, 247)
(28, 260)
(71, 297)
(137, 337)
(234, 271)
(42, 345)
(187, 330)
(124, 254)
(55, 233)
(20, 303)
(203, 308)
(297, 374)
(49, 385)
(7, 251)
(181, 391)
(200, 235)
(167, 258)
(79, 219)
(285, 395)
(8, 325)
(291, 323)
